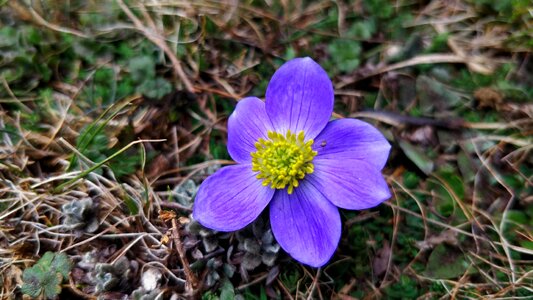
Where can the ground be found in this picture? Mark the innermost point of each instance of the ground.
(112, 113)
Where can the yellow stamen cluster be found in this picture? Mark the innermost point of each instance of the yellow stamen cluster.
(283, 160)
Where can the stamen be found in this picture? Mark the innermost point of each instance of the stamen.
(282, 161)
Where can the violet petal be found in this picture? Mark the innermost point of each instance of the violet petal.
(349, 183)
(305, 224)
(352, 139)
(246, 125)
(231, 198)
(300, 97)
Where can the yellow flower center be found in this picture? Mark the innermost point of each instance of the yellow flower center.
(283, 160)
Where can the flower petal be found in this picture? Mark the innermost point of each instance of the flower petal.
(246, 125)
(349, 183)
(300, 97)
(352, 139)
(305, 224)
(231, 198)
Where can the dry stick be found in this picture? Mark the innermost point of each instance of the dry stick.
(469, 60)
(159, 41)
(175, 205)
(417, 60)
(396, 220)
(313, 286)
(255, 281)
(192, 281)
(113, 226)
(284, 289)
(41, 21)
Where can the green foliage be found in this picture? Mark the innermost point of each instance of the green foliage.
(434, 96)
(382, 9)
(418, 156)
(45, 277)
(94, 144)
(218, 150)
(508, 10)
(410, 179)
(405, 288)
(439, 43)
(290, 277)
(227, 292)
(447, 189)
(155, 88)
(362, 29)
(345, 55)
(446, 262)
(142, 70)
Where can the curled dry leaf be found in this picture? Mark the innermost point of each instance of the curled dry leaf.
(448, 237)
(381, 260)
(166, 215)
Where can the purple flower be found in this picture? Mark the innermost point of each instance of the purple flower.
(291, 157)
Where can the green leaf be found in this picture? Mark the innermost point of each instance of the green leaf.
(517, 216)
(52, 285)
(418, 157)
(62, 264)
(155, 88)
(446, 262)
(32, 278)
(142, 68)
(526, 244)
(227, 291)
(133, 209)
(448, 184)
(363, 29)
(46, 275)
(345, 54)
(46, 260)
(38, 280)
(435, 96)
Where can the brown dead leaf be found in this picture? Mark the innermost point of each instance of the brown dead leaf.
(381, 260)
(165, 239)
(449, 237)
(159, 164)
(183, 220)
(12, 278)
(166, 215)
(488, 97)
(423, 135)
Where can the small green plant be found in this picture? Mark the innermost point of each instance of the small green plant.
(143, 73)
(46, 276)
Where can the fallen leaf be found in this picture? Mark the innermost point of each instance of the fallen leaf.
(446, 262)
(166, 215)
(381, 260)
(418, 157)
(448, 237)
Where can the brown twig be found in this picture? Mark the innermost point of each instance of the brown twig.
(253, 282)
(314, 285)
(436, 58)
(192, 282)
(397, 120)
(174, 205)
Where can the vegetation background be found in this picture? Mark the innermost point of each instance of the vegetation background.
(113, 112)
